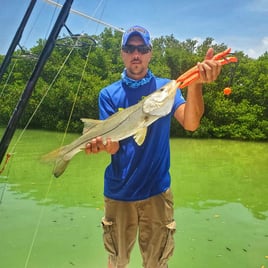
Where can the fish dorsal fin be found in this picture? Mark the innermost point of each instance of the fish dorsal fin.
(140, 135)
(89, 123)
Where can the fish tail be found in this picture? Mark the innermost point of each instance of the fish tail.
(57, 157)
(60, 166)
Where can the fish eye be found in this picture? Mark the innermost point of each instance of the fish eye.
(146, 118)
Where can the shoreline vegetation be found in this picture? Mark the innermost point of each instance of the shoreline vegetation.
(241, 115)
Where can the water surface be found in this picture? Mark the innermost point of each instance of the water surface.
(221, 206)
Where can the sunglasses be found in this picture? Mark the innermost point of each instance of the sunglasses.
(143, 49)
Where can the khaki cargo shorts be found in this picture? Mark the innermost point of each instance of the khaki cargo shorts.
(150, 219)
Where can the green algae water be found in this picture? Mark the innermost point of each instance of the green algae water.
(221, 206)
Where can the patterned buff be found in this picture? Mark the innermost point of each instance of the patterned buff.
(136, 83)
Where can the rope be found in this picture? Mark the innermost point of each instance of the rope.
(41, 214)
(26, 39)
(41, 101)
(5, 163)
(76, 95)
(82, 75)
(63, 139)
(37, 225)
(5, 184)
(7, 80)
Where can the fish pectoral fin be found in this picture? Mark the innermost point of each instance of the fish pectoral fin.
(140, 135)
(89, 123)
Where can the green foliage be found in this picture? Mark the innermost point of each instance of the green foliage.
(70, 91)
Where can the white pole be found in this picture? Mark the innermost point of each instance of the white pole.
(86, 16)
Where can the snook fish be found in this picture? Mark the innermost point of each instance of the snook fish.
(132, 121)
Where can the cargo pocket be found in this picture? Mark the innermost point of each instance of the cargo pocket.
(108, 237)
(169, 246)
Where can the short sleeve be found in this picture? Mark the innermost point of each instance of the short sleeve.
(178, 100)
(106, 107)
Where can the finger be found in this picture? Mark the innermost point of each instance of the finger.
(209, 70)
(202, 72)
(216, 70)
(213, 69)
(111, 147)
(209, 54)
(94, 146)
(108, 145)
(88, 148)
(100, 144)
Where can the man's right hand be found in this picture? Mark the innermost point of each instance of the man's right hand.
(96, 145)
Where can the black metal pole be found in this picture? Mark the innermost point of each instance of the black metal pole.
(47, 50)
(16, 39)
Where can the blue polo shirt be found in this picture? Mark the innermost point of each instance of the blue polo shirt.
(138, 172)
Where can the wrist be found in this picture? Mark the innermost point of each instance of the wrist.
(195, 86)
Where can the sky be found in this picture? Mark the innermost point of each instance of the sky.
(239, 24)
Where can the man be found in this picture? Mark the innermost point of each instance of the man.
(138, 199)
